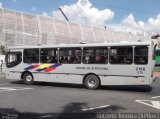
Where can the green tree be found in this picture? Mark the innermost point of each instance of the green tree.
(3, 51)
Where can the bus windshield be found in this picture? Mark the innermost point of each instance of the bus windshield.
(13, 59)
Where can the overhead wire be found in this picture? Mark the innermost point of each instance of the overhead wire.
(126, 9)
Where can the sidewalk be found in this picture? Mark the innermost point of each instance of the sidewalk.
(2, 76)
(156, 74)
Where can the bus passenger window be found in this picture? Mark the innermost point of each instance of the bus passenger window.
(49, 55)
(66, 60)
(95, 55)
(70, 55)
(98, 59)
(141, 55)
(121, 55)
(77, 60)
(31, 56)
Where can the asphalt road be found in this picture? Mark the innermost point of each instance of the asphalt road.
(50, 100)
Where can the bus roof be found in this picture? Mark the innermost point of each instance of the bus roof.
(82, 45)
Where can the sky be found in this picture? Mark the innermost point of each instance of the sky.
(140, 17)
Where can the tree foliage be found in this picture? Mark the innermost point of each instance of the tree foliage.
(3, 51)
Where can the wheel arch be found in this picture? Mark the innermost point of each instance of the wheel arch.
(25, 73)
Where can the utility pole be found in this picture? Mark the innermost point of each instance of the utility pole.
(64, 14)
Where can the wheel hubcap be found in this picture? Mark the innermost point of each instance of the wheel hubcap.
(91, 82)
(29, 78)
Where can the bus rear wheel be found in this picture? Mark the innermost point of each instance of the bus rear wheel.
(28, 79)
(91, 81)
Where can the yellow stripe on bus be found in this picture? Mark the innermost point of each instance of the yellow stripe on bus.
(44, 66)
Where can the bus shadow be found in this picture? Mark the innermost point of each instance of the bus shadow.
(128, 88)
(65, 85)
(17, 82)
(80, 86)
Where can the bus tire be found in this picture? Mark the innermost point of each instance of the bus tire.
(28, 79)
(91, 81)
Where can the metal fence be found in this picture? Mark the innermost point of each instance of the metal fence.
(19, 28)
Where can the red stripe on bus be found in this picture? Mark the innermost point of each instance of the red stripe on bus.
(50, 69)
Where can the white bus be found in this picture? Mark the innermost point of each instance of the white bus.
(90, 64)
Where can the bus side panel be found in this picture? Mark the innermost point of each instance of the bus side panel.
(60, 78)
(108, 80)
(108, 74)
(13, 75)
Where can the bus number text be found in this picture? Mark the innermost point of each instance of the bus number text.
(140, 70)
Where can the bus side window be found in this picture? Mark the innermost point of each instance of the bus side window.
(95, 55)
(77, 60)
(71, 59)
(66, 60)
(31, 56)
(49, 55)
(141, 55)
(98, 59)
(61, 59)
(54, 59)
(70, 55)
(121, 55)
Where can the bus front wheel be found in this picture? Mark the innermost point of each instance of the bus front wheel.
(28, 79)
(91, 81)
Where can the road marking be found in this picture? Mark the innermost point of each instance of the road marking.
(13, 89)
(95, 108)
(4, 84)
(45, 116)
(151, 103)
(155, 97)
